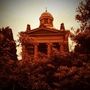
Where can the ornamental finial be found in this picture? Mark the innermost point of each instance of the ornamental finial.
(46, 9)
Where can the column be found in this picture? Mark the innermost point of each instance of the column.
(61, 47)
(35, 52)
(23, 52)
(66, 46)
(49, 49)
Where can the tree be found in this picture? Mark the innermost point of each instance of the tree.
(7, 44)
(8, 59)
(83, 14)
(83, 36)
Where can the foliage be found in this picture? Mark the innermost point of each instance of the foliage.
(7, 44)
(7, 58)
(68, 72)
(82, 38)
(83, 42)
(83, 14)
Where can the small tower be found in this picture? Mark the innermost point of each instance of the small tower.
(46, 19)
(28, 27)
(62, 27)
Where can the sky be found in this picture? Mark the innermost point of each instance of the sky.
(18, 13)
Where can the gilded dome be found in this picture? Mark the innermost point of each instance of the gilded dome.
(46, 15)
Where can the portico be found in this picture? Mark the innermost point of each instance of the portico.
(44, 40)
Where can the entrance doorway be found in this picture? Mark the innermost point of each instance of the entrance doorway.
(42, 48)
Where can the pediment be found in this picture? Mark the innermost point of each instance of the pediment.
(41, 31)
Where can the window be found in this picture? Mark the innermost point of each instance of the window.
(46, 21)
(56, 45)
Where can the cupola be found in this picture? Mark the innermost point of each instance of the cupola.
(46, 19)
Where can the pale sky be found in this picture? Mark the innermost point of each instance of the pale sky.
(18, 13)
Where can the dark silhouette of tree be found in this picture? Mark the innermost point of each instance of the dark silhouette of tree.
(83, 14)
(7, 44)
(83, 35)
(8, 59)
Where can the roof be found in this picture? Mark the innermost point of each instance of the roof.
(45, 32)
(45, 15)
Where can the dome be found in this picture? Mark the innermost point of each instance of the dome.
(46, 15)
(46, 19)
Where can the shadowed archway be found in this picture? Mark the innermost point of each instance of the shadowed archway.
(42, 47)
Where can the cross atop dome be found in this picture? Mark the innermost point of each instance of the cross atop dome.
(46, 9)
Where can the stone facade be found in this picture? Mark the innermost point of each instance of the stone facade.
(44, 40)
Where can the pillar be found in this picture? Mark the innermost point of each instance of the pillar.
(49, 49)
(61, 47)
(35, 52)
(23, 52)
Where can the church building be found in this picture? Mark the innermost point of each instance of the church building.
(44, 40)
